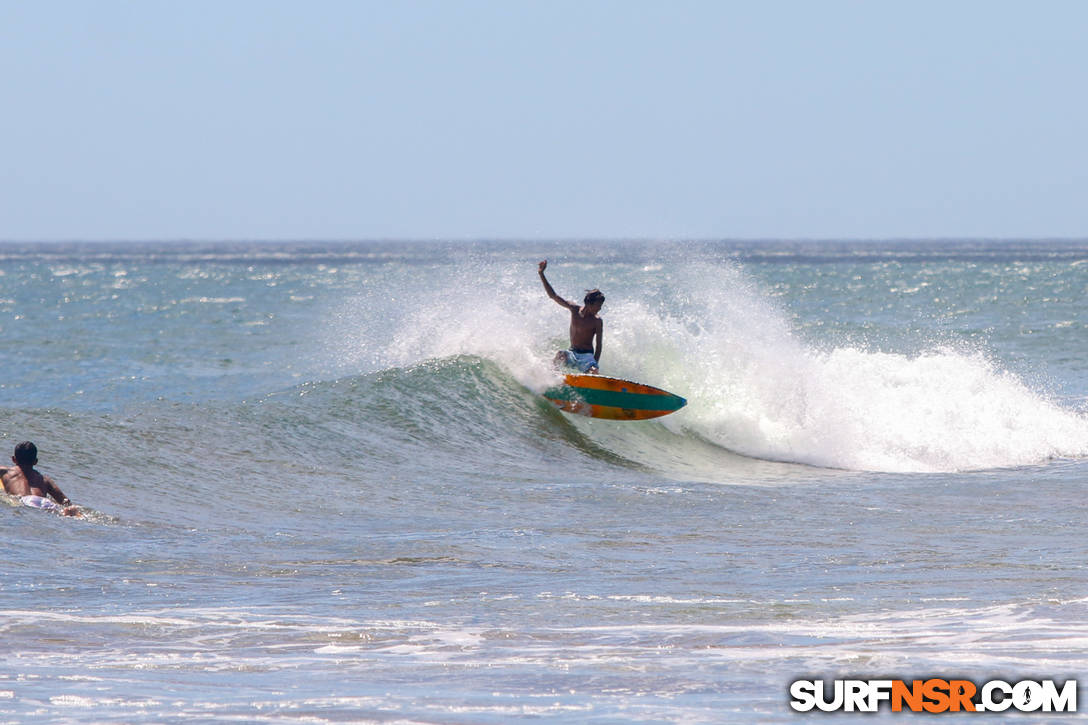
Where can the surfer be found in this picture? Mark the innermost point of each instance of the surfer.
(583, 355)
(33, 488)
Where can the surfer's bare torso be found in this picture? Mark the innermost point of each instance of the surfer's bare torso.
(584, 327)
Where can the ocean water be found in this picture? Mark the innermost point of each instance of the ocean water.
(322, 485)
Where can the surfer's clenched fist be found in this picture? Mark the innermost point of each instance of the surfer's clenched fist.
(543, 265)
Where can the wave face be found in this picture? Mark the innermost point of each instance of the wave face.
(759, 381)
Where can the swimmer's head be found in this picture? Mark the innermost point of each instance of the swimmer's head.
(594, 297)
(26, 454)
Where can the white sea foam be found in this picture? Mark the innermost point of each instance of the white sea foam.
(754, 387)
(657, 658)
(1006, 635)
(484, 309)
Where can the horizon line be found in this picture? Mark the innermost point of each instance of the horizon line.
(548, 240)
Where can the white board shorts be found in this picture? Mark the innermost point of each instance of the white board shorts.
(580, 361)
(40, 502)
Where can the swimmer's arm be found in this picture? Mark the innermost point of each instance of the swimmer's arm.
(3, 485)
(551, 292)
(55, 492)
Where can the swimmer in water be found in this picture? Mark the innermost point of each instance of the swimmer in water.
(31, 486)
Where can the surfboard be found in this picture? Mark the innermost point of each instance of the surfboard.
(599, 396)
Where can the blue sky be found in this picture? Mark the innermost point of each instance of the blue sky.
(238, 119)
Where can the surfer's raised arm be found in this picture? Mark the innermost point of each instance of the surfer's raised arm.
(551, 292)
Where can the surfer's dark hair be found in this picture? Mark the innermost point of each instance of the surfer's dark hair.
(26, 454)
(593, 296)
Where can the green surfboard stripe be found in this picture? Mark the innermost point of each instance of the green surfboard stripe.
(612, 399)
